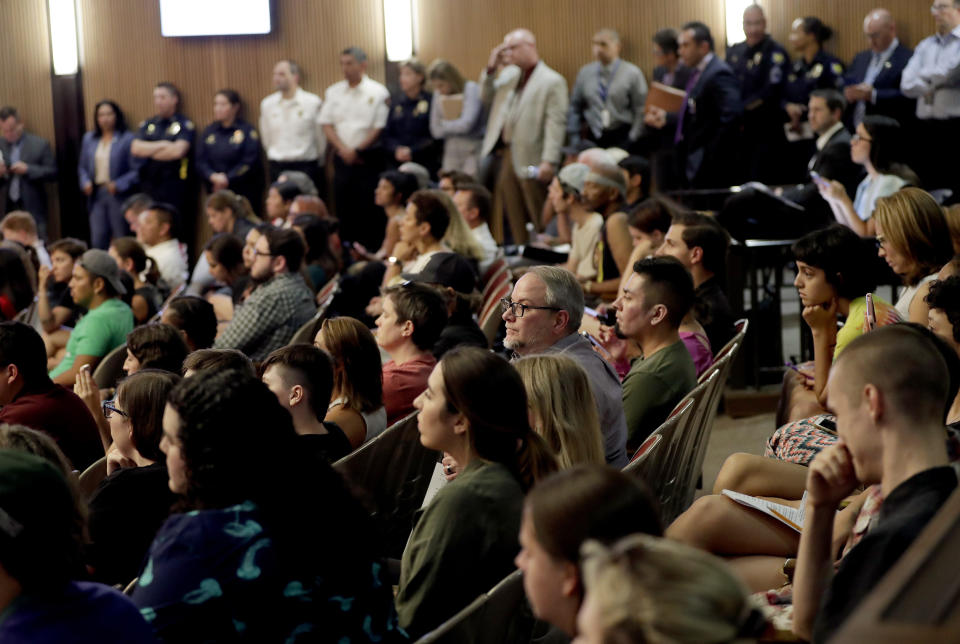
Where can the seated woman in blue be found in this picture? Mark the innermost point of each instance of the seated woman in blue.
(271, 547)
(475, 410)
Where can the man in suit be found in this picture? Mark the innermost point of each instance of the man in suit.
(706, 126)
(872, 82)
(755, 214)
(26, 164)
(527, 103)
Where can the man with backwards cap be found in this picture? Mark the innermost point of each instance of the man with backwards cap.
(95, 285)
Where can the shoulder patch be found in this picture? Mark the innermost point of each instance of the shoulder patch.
(778, 58)
(836, 68)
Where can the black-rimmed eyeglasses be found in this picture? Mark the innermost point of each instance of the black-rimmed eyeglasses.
(109, 408)
(517, 309)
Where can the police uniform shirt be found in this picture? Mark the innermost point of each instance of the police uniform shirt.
(290, 127)
(823, 72)
(762, 71)
(354, 111)
(618, 89)
(231, 150)
(176, 128)
(409, 123)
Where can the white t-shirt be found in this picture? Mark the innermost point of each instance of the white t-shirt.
(171, 259)
(290, 128)
(489, 245)
(354, 111)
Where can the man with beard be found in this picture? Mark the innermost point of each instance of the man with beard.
(279, 306)
(649, 310)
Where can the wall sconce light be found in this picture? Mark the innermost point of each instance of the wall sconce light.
(63, 36)
(398, 29)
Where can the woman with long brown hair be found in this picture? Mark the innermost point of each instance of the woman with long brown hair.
(475, 409)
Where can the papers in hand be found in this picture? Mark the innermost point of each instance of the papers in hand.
(785, 514)
(451, 106)
(669, 99)
(437, 481)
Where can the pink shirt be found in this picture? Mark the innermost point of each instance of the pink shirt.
(403, 383)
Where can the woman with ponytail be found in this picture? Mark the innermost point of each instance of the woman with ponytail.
(474, 409)
(131, 258)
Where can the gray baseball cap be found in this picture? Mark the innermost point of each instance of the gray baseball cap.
(574, 175)
(99, 263)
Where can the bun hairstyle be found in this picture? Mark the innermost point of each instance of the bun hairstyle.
(815, 27)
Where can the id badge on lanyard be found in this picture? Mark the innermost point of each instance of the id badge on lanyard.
(603, 91)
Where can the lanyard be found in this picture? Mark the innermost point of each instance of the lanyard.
(602, 89)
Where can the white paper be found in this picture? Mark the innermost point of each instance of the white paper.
(785, 514)
(437, 481)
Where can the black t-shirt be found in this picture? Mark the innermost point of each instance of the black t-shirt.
(58, 294)
(126, 510)
(461, 331)
(903, 516)
(330, 447)
(712, 311)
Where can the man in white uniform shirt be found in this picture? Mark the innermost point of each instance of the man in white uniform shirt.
(290, 126)
(353, 116)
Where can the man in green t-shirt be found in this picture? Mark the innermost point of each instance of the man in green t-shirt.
(95, 285)
(654, 301)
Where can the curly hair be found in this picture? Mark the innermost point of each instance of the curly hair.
(844, 257)
(945, 296)
(238, 444)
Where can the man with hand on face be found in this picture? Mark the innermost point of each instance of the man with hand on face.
(608, 97)
(290, 126)
(891, 427)
(527, 102)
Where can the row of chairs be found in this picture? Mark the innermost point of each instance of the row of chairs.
(670, 460)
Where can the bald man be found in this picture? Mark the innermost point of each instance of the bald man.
(872, 82)
(760, 64)
(606, 105)
(890, 424)
(527, 103)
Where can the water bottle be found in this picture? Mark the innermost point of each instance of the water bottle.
(533, 172)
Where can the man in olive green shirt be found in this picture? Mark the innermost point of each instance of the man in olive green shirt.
(654, 301)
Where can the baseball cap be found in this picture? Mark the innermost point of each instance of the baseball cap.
(574, 175)
(448, 269)
(99, 263)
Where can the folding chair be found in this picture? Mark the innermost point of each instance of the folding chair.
(391, 474)
(498, 265)
(306, 333)
(90, 478)
(490, 314)
(110, 369)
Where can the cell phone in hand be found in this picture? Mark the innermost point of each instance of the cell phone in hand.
(828, 425)
(595, 342)
(870, 315)
(817, 179)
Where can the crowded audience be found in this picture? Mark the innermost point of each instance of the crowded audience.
(534, 271)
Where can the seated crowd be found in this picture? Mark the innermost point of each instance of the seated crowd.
(537, 312)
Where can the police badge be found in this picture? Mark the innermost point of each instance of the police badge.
(817, 70)
(211, 139)
(174, 128)
(237, 137)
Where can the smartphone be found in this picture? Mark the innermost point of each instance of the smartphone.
(596, 343)
(790, 365)
(870, 316)
(828, 425)
(817, 179)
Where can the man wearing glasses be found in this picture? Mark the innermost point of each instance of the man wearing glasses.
(872, 82)
(29, 397)
(543, 315)
(933, 78)
(279, 306)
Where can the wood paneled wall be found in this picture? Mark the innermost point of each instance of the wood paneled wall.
(25, 61)
(124, 54)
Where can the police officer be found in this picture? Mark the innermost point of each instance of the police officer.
(407, 134)
(228, 154)
(761, 65)
(813, 69)
(164, 142)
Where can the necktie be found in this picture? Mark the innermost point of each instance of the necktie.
(694, 77)
(15, 181)
(860, 109)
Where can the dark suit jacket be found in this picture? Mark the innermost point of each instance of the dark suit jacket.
(124, 168)
(710, 125)
(890, 100)
(680, 75)
(38, 156)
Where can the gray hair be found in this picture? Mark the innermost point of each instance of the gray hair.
(563, 292)
(358, 54)
(294, 68)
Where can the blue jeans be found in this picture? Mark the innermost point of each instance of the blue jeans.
(106, 218)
